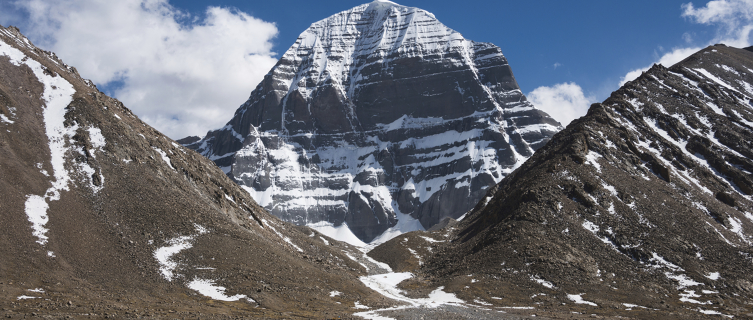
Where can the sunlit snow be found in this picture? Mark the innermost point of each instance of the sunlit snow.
(578, 298)
(339, 233)
(58, 93)
(209, 289)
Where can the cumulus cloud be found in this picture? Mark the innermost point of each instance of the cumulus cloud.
(734, 21)
(565, 102)
(667, 59)
(733, 17)
(730, 13)
(180, 73)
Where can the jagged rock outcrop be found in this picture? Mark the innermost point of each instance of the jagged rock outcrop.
(376, 111)
(641, 208)
(104, 217)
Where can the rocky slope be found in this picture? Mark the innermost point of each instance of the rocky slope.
(376, 113)
(102, 216)
(642, 208)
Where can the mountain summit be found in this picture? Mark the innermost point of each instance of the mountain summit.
(377, 113)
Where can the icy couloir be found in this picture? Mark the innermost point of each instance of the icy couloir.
(377, 113)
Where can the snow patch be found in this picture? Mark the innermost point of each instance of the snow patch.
(593, 228)
(431, 240)
(688, 294)
(284, 238)
(405, 224)
(610, 188)
(737, 228)
(542, 282)
(207, 288)
(659, 261)
(164, 255)
(578, 299)
(5, 119)
(96, 138)
(386, 285)
(36, 212)
(683, 280)
(339, 233)
(715, 79)
(713, 312)
(481, 302)
(713, 276)
(164, 157)
(593, 159)
(415, 254)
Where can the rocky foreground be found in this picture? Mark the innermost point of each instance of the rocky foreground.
(103, 216)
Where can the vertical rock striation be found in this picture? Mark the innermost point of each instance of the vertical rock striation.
(375, 112)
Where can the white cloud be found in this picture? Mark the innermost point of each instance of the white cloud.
(734, 19)
(565, 102)
(687, 37)
(667, 60)
(728, 12)
(182, 74)
(557, 65)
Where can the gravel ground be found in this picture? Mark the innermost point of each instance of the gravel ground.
(451, 312)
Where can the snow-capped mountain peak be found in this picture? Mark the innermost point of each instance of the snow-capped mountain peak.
(379, 117)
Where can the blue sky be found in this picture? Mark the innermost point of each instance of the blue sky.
(594, 42)
(185, 66)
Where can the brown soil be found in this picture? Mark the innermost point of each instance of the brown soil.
(104, 242)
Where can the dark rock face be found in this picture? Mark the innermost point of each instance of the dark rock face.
(376, 111)
(103, 216)
(646, 201)
(188, 140)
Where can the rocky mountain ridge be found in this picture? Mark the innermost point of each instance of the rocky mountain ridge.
(642, 208)
(375, 115)
(104, 217)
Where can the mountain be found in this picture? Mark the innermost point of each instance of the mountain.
(103, 216)
(379, 116)
(641, 208)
